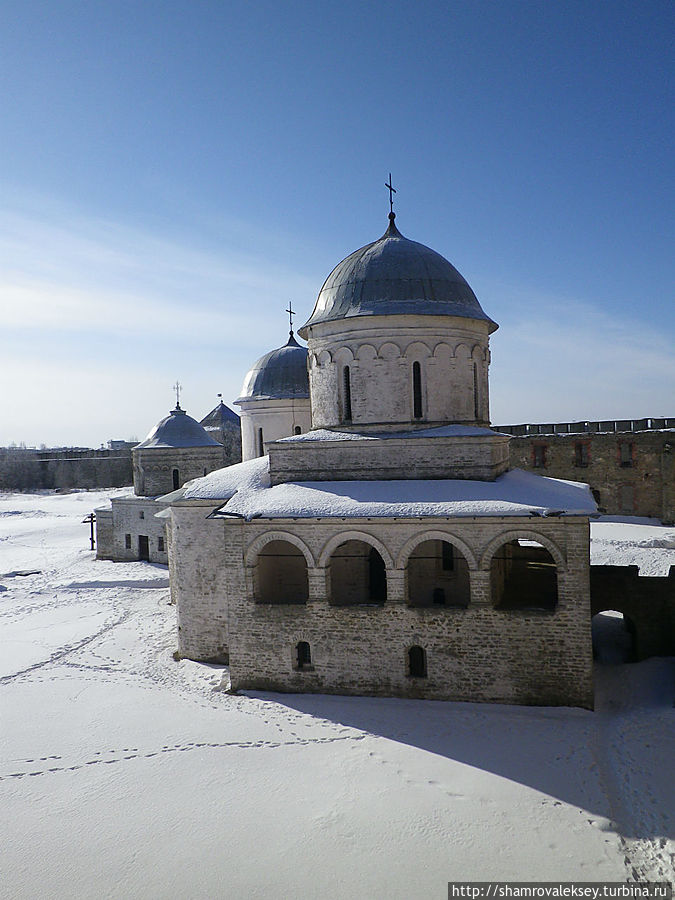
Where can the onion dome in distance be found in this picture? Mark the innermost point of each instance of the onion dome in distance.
(177, 430)
(280, 374)
(394, 276)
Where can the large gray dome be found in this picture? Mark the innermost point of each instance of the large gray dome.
(177, 430)
(395, 276)
(278, 375)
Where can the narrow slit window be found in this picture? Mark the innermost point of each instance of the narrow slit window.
(176, 479)
(160, 544)
(476, 412)
(417, 390)
(581, 455)
(127, 542)
(347, 394)
(297, 430)
(261, 443)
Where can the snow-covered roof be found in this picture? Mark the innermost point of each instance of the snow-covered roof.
(324, 434)
(247, 490)
(177, 430)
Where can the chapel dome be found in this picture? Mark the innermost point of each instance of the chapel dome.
(395, 276)
(280, 374)
(177, 430)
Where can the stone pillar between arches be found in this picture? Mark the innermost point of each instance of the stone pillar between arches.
(395, 585)
(317, 584)
(480, 587)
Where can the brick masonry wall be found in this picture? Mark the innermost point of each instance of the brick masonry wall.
(644, 488)
(477, 654)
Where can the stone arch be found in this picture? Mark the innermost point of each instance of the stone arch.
(462, 351)
(437, 571)
(417, 350)
(525, 535)
(331, 545)
(254, 548)
(525, 575)
(423, 536)
(344, 356)
(366, 353)
(389, 350)
(443, 350)
(324, 358)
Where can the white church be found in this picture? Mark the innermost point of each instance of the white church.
(373, 540)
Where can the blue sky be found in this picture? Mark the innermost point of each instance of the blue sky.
(173, 173)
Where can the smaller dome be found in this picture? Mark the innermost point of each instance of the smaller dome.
(278, 375)
(177, 430)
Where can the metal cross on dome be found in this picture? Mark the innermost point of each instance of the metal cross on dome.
(178, 387)
(290, 314)
(392, 191)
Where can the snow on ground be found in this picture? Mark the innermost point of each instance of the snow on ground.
(126, 774)
(632, 541)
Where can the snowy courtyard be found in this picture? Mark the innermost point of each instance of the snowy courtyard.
(126, 774)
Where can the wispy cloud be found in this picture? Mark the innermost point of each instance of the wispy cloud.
(563, 358)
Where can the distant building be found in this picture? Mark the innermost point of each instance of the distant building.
(629, 464)
(177, 450)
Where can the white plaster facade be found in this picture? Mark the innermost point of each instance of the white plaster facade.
(453, 358)
(268, 420)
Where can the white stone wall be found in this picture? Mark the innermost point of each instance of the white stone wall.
(104, 533)
(277, 418)
(204, 569)
(452, 352)
(131, 516)
(154, 466)
(480, 457)
(474, 654)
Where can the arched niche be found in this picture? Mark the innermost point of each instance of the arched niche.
(356, 571)
(523, 576)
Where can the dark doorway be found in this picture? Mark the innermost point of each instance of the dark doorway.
(143, 547)
(377, 577)
(613, 636)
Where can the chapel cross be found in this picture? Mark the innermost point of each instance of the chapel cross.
(290, 314)
(177, 388)
(392, 191)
